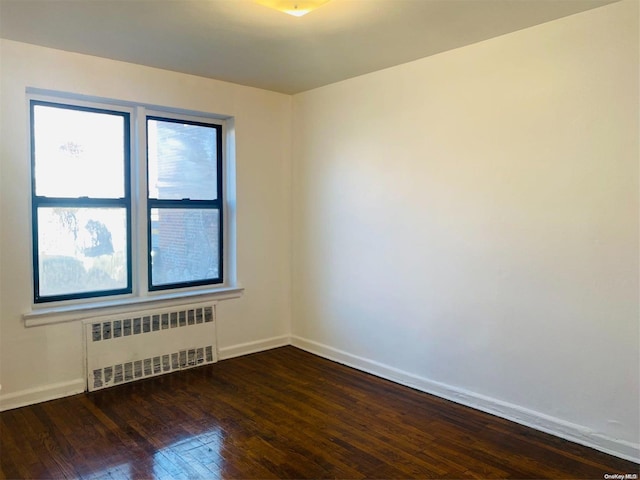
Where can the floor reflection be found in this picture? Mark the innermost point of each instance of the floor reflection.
(199, 455)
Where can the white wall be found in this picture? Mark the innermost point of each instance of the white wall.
(44, 361)
(468, 224)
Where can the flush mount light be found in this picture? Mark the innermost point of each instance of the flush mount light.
(296, 8)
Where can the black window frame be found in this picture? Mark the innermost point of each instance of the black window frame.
(80, 202)
(216, 204)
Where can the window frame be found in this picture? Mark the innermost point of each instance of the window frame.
(215, 204)
(64, 308)
(38, 201)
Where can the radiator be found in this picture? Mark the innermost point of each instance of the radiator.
(127, 347)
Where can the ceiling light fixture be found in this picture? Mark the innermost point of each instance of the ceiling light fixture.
(297, 8)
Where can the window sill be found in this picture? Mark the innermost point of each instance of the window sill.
(70, 313)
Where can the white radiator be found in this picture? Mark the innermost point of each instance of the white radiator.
(127, 347)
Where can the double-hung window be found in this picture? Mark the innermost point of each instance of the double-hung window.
(125, 201)
(81, 201)
(184, 203)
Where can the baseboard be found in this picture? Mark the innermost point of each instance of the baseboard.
(226, 353)
(30, 396)
(530, 418)
(63, 389)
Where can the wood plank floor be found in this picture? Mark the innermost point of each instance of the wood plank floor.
(279, 414)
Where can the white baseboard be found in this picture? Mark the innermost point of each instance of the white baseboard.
(226, 353)
(530, 418)
(63, 389)
(30, 396)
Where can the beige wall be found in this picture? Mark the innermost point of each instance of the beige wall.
(468, 224)
(39, 361)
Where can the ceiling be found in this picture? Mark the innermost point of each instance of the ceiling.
(243, 42)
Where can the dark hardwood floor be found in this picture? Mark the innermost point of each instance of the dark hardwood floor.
(279, 414)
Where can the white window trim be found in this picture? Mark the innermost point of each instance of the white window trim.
(70, 313)
(79, 309)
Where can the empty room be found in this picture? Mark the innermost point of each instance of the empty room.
(319, 239)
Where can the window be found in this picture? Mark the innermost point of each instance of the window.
(118, 188)
(81, 204)
(184, 203)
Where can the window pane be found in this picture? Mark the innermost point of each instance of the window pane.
(182, 160)
(78, 153)
(81, 250)
(184, 245)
